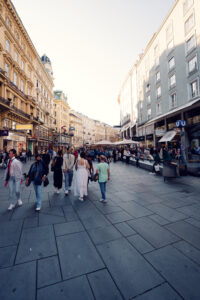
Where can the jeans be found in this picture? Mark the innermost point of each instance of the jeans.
(38, 194)
(68, 179)
(14, 188)
(103, 189)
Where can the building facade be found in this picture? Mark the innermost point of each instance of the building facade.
(26, 87)
(165, 81)
(76, 129)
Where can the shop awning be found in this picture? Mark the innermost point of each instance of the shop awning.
(168, 136)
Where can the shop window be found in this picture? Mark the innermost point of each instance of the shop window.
(171, 63)
(158, 92)
(190, 44)
(192, 64)
(172, 81)
(194, 88)
(7, 46)
(189, 23)
(173, 102)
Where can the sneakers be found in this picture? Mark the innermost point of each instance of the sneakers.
(11, 206)
(81, 199)
(57, 192)
(19, 202)
(66, 192)
(37, 209)
(70, 188)
(101, 200)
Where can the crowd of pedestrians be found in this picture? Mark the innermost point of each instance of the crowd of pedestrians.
(63, 166)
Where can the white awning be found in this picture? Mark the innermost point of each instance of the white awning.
(168, 136)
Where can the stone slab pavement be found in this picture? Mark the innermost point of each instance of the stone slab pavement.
(143, 244)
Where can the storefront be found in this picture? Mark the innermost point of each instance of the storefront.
(15, 141)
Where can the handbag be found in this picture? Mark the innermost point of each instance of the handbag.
(96, 177)
(46, 181)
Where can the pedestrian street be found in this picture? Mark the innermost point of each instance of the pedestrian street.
(144, 243)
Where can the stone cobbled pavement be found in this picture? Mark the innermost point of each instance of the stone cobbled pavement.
(143, 244)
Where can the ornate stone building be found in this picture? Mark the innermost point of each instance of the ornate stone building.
(26, 86)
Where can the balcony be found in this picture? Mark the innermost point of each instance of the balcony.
(21, 112)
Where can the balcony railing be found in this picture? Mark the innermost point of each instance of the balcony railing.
(4, 101)
(21, 112)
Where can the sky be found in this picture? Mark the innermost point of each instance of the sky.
(92, 45)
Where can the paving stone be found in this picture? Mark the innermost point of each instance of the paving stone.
(24, 211)
(162, 292)
(132, 274)
(106, 208)
(119, 217)
(81, 256)
(95, 221)
(135, 209)
(36, 243)
(18, 282)
(172, 215)
(7, 256)
(158, 219)
(70, 214)
(74, 289)
(48, 271)
(182, 274)
(177, 203)
(156, 235)
(140, 244)
(187, 232)
(10, 233)
(69, 227)
(53, 211)
(188, 250)
(191, 210)
(125, 229)
(105, 234)
(50, 219)
(193, 222)
(30, 222)
(103, 286)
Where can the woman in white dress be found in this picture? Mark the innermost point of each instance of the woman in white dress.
(81, 180)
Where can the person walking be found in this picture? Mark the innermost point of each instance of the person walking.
(13, 178)
(81, 181)
(104, 175)
(128, 154)
(68, 164)
(58, 175)
(29, 154)
(37, 174)
(46, 159)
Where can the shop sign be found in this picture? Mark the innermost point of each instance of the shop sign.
(24, 127)
(4, 132)
(141, 138)
(149, 137)
(180, 123)
(160, 132)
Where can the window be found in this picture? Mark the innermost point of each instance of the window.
(16, 56)
(7, 46)
(149, 113)
(29, 73)
(192, 64)
(172, 102)
(158, 92)
(171, 63)
(158, 108)
(194, 88)
(148, 87)
(149, 99)
(189, 23)
(22, 85)
(7, 69)
(22, 65)
(156, 55)
(29, 91)
(186, 5)
(23, 47)
(169, 32)
(191, 43)
(170, 45)
(172, 80)
(15, 78)
(13, 125)
(8, 22)
(16, 35)
(158, 76)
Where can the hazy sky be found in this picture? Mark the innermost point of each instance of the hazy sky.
(92, 45)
